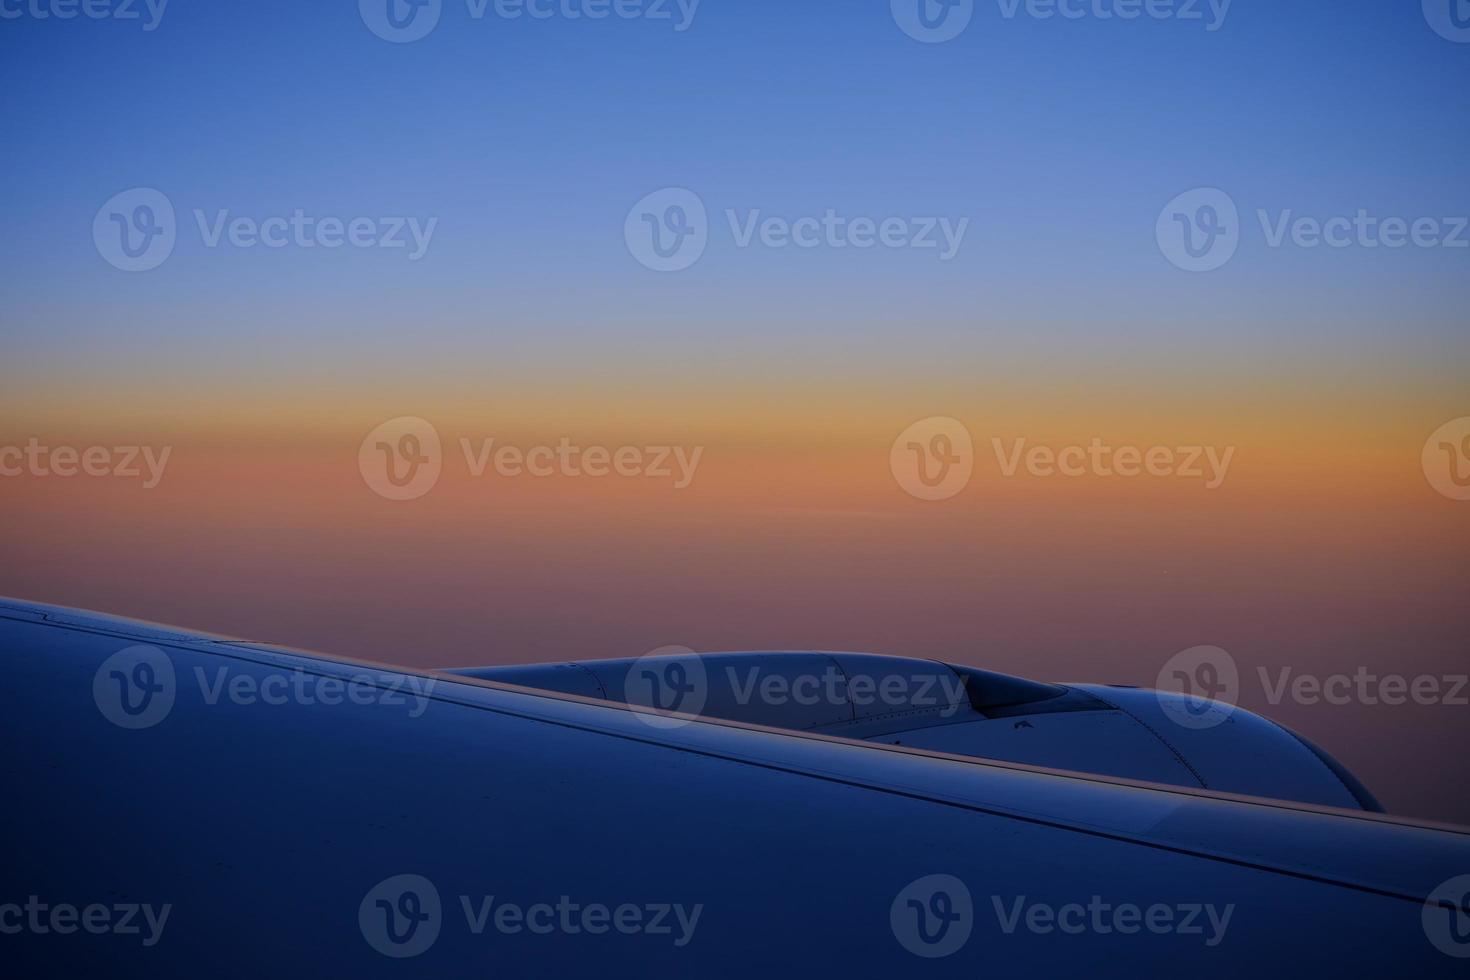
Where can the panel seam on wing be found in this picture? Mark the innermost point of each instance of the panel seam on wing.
(592, 674)
(1164, 741)
(1369, 804)
(846, 681)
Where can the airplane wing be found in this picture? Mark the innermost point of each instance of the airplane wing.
(189, 804)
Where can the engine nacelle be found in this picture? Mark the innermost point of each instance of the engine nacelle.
(1132, 733)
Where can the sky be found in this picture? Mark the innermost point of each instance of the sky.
(1065, 156)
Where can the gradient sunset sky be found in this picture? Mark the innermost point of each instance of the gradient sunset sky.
(528, 320)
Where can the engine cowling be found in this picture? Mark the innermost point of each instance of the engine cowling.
(1125, 732)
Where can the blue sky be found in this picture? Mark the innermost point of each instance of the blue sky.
(529, 140)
